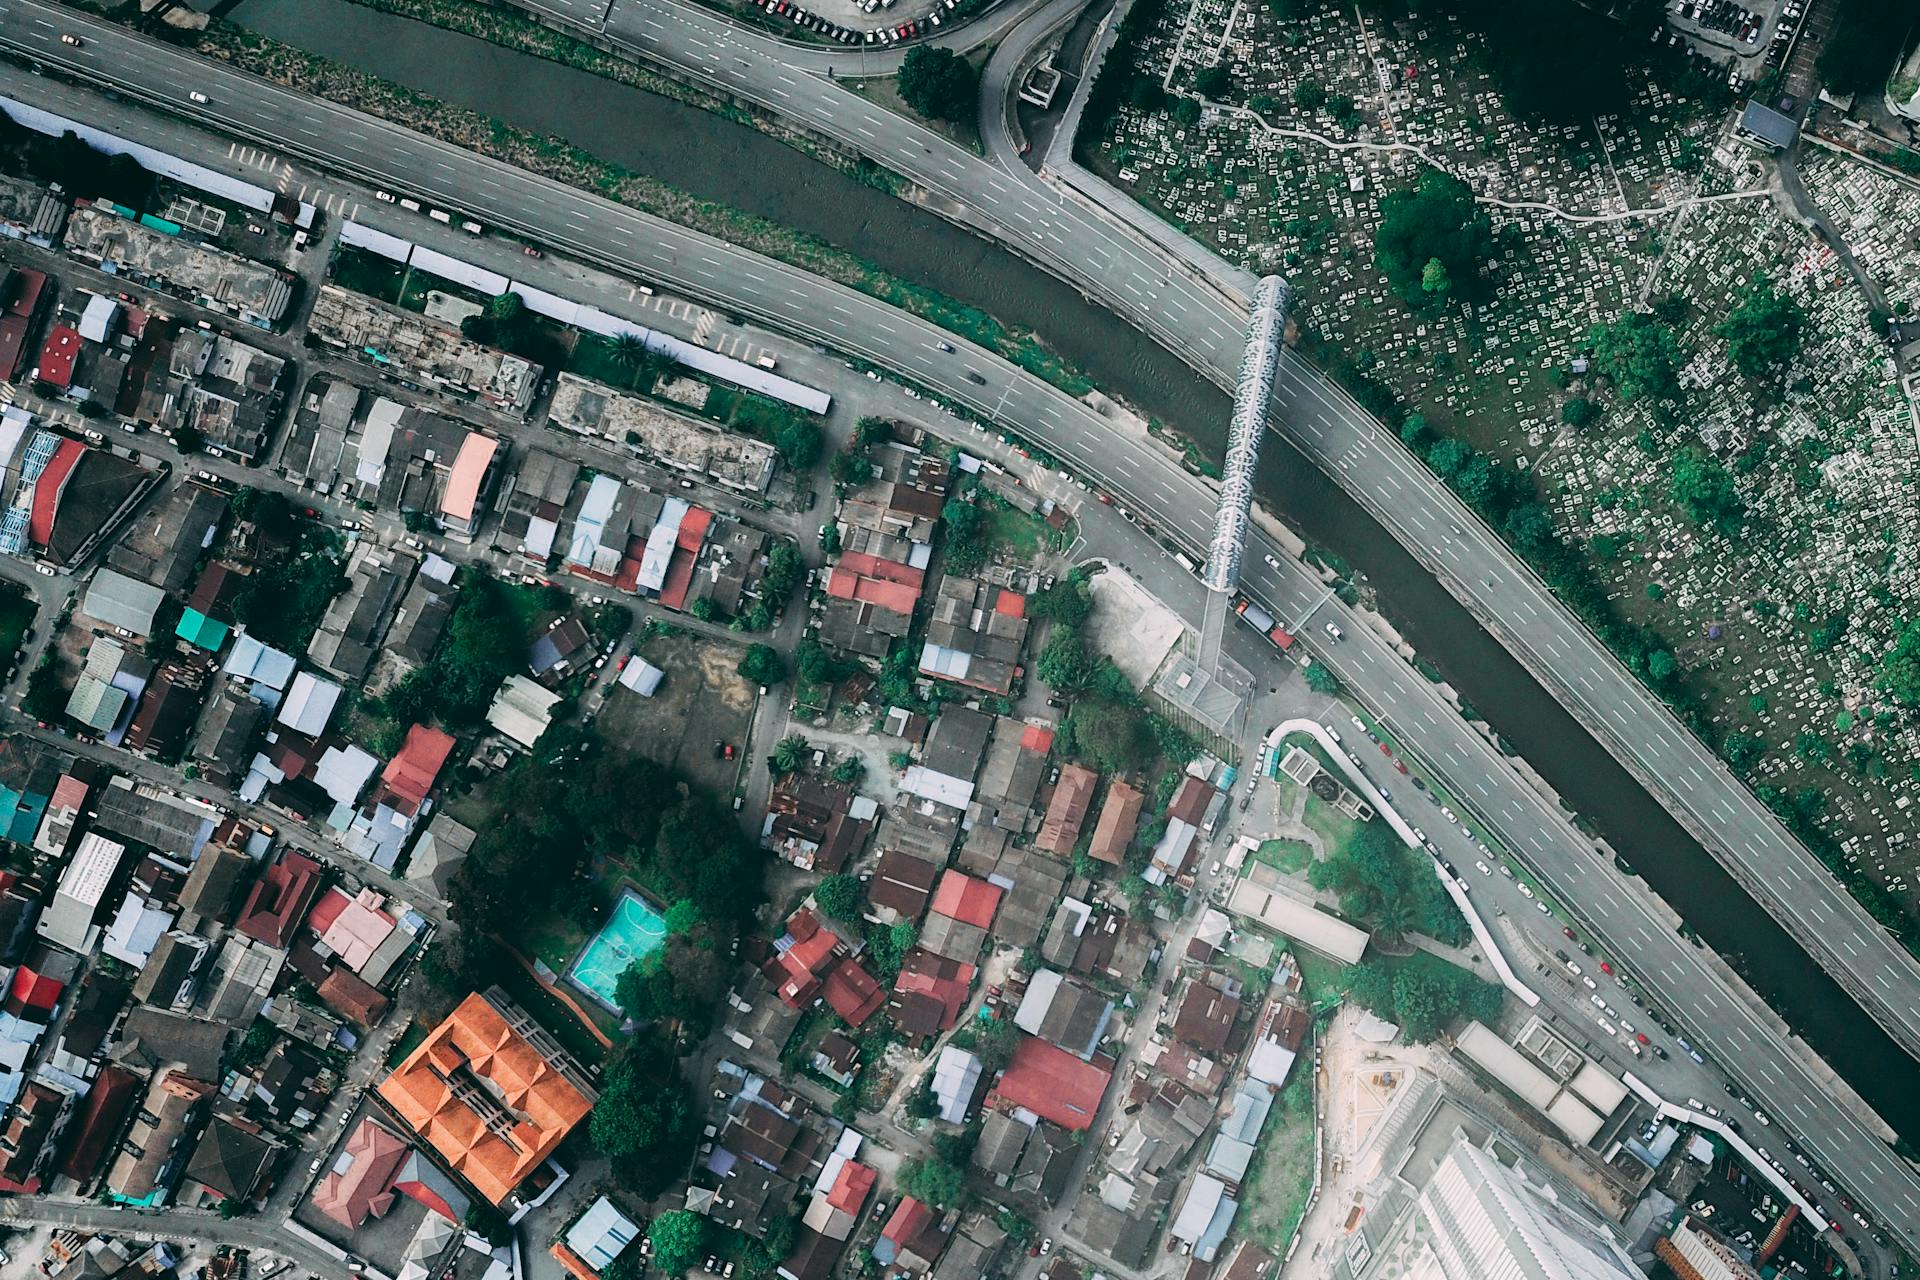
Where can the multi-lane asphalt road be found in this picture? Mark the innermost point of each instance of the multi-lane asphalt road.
(1193, 302)
(1138, 471)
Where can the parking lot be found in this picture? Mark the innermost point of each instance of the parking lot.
(702, 701)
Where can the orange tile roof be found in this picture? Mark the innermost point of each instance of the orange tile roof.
(541, 1106)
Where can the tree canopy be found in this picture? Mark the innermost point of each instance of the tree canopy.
(1899, 675)
(679, 1237)
(933, 1181)
(939, 83)
(644, 1121)
(841, 896)
(1381, 881)
(1639, 354)
(1705, 489)
(1763, 331)
(762, 665)
(1423, 996)
(1433, 242)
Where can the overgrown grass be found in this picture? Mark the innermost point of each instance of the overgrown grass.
(1274, 1196)
(1290, 856)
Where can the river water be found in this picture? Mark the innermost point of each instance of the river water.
(713, 158)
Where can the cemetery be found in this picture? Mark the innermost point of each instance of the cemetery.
(1753, 509)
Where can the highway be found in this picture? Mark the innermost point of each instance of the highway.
(1139, 472)
(1192, 302)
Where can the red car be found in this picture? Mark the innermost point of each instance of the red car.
(1606, 968)
(1641, 1037)
(729, 751)
(1568, 932)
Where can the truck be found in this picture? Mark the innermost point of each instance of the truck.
(1262, 621)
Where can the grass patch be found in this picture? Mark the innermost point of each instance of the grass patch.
(1290, 856)
(554, 940)
(412, 1038)
(1321, 978)
(1274, 1197)
(1020, 535)
(367, 273)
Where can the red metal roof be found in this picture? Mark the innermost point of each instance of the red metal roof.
(872, 566)
(1053, 1084)
(411, 773)
(1011, 603)
(328, 909)
(961, 897)
(693, 528)
(49, 487)
(57, 356)
(851, 1188)
(35, 990)
(852, 993)
(1037, 738)
(679, 579)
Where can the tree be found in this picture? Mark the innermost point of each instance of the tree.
(1018, 1228)
(850, 770)
(762, 665)
(1705, 489)
(887, 947)
(966, 528)
(1434, 241)
(1639, 354)
(939, 83)
(1899, 676)
(679, 1237)
(1763, 331)
(934, 1182)
(841, 896)
(789, 754)
(644, 1121)
(1067, 601)
(1743, 750)
(798, 441)
(1308, 95)
(1320, 679)
(1064, 664)
(1213, 82)
(1579, 412)
(1113, 735)
(997, 1042)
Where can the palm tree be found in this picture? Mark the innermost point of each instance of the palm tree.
(789, 753)
(629, 351)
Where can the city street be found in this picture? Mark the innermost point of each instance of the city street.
(1138, 472)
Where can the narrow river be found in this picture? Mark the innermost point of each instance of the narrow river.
(708, 156)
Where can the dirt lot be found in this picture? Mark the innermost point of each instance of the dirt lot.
(703, 700)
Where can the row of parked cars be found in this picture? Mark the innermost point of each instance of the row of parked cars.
(1726, 17)
(852, 35)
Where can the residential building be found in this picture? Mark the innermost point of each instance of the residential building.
(126, 604)
(164, 546)
(69, 919)
(1119, 819)
(1052, 1084)
(1695, 1251)
(251, 291)
(280, 899)
(1067, 811)
(668, 437)
(421, 350)
(155, 1150)
(975, 635)
(522, 710)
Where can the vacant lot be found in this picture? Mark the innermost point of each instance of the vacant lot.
(702, 701)
(1275, 1195)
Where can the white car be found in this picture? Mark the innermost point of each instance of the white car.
(1484, 869)
(1525, 892)
(1598, 1001)
(1447, 814)
(1590, 983)
(1335, 632)
(1573, 968)
(1271, 562)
